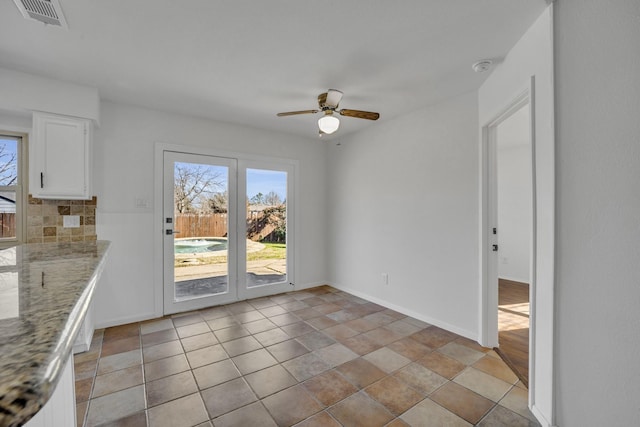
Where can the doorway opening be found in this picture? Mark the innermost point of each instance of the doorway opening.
(508, 235)
(514, 195)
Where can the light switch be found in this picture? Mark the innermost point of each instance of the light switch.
(71, 221)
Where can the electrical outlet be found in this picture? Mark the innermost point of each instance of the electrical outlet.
(385, 279)
(71, 221)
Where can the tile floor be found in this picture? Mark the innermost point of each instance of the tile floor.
(318, 357)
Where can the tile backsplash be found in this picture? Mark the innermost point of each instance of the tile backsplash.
(45, 220)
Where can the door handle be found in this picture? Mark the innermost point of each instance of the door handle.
(170, 232)
(495, 248)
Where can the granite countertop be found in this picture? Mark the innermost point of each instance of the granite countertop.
(45, 291)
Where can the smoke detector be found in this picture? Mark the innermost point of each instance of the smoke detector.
(47, 11)
(482, 66)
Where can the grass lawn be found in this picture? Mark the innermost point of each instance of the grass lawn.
(270, 251)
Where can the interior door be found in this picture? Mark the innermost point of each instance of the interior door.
(199, 225)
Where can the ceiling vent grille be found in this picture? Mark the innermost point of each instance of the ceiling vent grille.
(47, 11)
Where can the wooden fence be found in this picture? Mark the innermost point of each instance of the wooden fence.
(215, 225)
(7, 224)
(193, 225)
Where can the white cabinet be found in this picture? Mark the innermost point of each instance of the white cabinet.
(60, 409)
(60, 153)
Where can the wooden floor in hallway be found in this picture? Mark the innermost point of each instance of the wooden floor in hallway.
(513, 326)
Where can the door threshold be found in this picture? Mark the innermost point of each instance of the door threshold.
(511, 366)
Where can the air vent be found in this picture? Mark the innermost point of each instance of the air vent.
(47, 11)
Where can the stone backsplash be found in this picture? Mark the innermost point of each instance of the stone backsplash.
(44, 220)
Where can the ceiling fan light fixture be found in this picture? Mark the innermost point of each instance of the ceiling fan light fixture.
(328, 124)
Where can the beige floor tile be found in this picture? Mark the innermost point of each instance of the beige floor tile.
(119, 361)
(497, 368)
(305, 366)
(441, 364)
(315, 340)
(461, 353)
(361, 372)
(318, 357)
(206, 356)
(434, 413)
(139, 419)
(254, 361)
(359, 410)
(409, 348)
(420, 378)
(186, 411)
(329, 388)
(159, 337)
(170, 388)
(165, 367)
(321, 419)
(387, 360)
(251, 415)
(155, 326)
(115, 406)
(291, 406)
(462, 402)
(259, 326)
(227, 397)
(483, 384)
(270, 380)
(500, 416)
(287, 350)
(335, 354)
(216, 373)
(197, 342)
(517, 400)
(231, 333)
(271, 337)
(241, 345)
(160, 351)
(117, 380)
(394, 394)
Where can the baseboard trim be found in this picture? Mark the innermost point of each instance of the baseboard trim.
(435, 322)
(125, 320)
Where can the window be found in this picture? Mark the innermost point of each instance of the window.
(12, 187)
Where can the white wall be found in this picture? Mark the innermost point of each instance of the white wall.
(598, 210)
(25, 92)
(124, 171)
(533, 56)
(403, 201)
(513, 151)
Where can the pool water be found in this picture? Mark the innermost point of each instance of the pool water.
(199, 245)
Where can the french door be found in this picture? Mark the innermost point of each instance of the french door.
(227, 225)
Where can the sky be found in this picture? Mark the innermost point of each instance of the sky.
(264, 181)
(10, 146)
(258, 180)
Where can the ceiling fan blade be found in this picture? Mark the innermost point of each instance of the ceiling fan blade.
(333, 98)
(293, 113)
(360, 114)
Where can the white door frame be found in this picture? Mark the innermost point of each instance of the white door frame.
(488, 334)
(158, 225)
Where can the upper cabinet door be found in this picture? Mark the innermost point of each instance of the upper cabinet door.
(60, 157)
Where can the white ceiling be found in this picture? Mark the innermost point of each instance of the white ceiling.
(243, 61)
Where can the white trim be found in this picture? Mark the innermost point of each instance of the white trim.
(488, 333)
(432, 321)
(126, 320)
(487, 212)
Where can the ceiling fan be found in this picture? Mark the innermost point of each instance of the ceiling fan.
(328, 104)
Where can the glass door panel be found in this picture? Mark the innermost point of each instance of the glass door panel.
(266, 231)
(200, 261)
